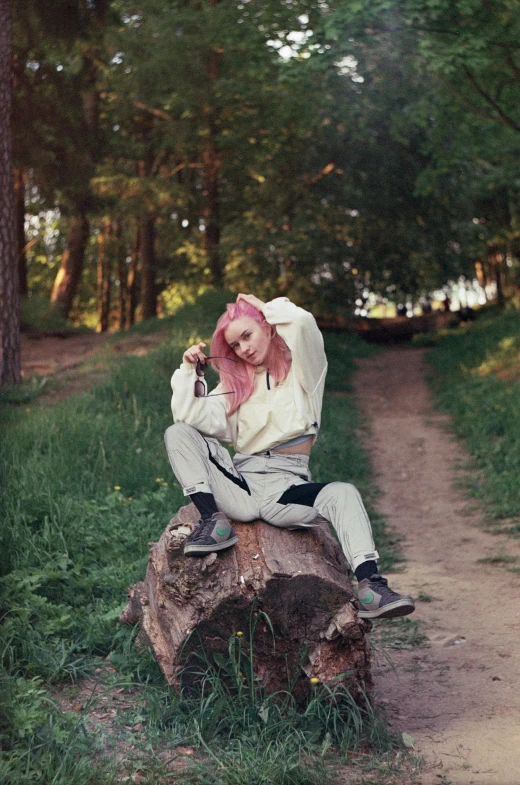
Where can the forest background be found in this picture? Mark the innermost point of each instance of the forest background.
(152, 151)
(319, 150)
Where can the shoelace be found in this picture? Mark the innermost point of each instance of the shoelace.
(382, 586)
(203, 529)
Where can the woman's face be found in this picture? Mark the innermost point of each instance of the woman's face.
(248, 339)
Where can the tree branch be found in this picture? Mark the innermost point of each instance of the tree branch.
(422, 28)
(473, 108)
(156, 112)
(491, 101)
(326, 170)
(513, 66)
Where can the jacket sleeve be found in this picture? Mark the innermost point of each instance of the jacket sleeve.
(300, 332)
(208, 415)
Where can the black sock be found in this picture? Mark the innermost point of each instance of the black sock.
(366, 570)
(205, 504)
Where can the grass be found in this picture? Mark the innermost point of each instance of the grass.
(23, 393)
(476, 379)
(86, 485)
(36, 315)
(400, 634)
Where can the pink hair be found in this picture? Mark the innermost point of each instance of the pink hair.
(240, 376)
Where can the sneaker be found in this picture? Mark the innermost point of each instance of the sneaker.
(378, 601)
(213, 534)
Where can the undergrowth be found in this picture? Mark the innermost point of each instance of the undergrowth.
(476, 380)
(37, 314)
(85, 486)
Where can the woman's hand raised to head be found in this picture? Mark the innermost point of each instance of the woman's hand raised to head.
(194, 353)
(252, 300)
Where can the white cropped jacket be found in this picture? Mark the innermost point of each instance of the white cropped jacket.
(271, 415)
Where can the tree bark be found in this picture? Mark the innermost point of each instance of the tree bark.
(131, 279)
(103, 275)
(9, 294)
(212, 208)
(298, 579)
(211, 168)
(148, 272)
(68, 276)
(121, 273)
(19, 197)
(496, 257)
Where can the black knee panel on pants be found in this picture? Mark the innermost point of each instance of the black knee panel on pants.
(304, 494)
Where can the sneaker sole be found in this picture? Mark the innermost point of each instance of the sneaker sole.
(391, 611)
(202, 550)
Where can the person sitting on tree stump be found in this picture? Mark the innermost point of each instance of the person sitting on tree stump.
(272, 366)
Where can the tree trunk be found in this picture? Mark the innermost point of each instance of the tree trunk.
(212, 208)
(298, 579)
(496, 257)
(103, 276)
(68, 276)
(131, 280)
(212, 166)
(19, 197)
(9, 295)
(147, 258)
(120, 252)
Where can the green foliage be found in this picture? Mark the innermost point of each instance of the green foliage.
(465, 53)
(23, 392)
(477, 380)
(333, 169)
(36, 313)
(284, 761)
(40, 744)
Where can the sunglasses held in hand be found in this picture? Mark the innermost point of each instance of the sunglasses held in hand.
(201, 368)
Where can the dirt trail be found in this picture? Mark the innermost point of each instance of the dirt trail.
(460, 696)
(79, 361)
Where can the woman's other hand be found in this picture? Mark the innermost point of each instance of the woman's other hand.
(194, 353)
(252, 300)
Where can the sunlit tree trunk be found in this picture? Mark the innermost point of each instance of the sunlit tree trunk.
(9, 295)
(131, 280)
(103, 275)
(148, 271)
(68, 276)
(212, 209)
(19, 198)
(120, 253)
(515, 252)
(496, 258)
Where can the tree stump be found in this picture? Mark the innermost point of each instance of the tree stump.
(298, 579)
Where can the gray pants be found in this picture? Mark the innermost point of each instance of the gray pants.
(249, 487)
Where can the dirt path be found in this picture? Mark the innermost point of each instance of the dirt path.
(459, 697)
(76, 363)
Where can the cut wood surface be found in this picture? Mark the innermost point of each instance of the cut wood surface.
(297, 579)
